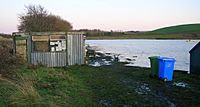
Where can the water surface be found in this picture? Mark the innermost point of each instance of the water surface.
(140, 50)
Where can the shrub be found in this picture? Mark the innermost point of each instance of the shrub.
(7, 59)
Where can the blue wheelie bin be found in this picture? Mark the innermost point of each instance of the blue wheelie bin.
(166, 68)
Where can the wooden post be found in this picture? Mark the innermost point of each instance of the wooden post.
(14, 45)
(66, 42)
(49, 43)
(29, 48)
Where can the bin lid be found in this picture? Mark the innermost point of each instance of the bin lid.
(166, 59)
(154, 57)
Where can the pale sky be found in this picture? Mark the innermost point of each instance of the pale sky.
(107, 15)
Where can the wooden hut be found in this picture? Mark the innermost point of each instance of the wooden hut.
(53, 49)
(195, 59)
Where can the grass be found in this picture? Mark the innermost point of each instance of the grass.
(23, 93)
(187, 28)
(146, 36)
(114, 85)
(5, 39)
(117, 85)
(188, 31)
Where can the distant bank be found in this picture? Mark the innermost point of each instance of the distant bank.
(188, 31)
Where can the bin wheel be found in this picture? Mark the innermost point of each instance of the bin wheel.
(165, 79)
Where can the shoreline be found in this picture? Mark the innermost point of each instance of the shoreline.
(98, 58)
(141, 38)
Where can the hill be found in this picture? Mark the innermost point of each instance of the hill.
(188, 28)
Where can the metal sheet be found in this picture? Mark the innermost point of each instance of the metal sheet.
(49, 59)
(75, 48)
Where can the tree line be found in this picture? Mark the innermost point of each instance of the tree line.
(98, 32)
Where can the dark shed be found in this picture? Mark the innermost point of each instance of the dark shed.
(195, 59)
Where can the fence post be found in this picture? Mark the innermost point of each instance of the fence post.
(29, 48)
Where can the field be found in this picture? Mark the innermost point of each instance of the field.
(189, 31)
(188, 28)
(108, 86)
(146, 36)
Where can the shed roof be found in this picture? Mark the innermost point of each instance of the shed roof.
(38, 33)
(197, 45)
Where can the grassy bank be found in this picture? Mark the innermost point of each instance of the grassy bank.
(146, 36)
(187, 31)
(114, 85)
(186, 28)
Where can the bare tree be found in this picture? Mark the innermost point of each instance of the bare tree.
(37, 19)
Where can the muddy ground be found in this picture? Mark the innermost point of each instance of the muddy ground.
(183, 91)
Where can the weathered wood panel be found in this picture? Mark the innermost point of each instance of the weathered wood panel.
(20, 50)
(40, 38)
(50, 59)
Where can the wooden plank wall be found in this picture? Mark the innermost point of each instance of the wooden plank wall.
(50, 59)
(20, 50)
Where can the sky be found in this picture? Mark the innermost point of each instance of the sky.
(117, 15)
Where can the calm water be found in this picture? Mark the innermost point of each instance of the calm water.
(129, 49)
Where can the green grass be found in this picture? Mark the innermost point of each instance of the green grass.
(188, 28)
(146, 36)
(114, 85)
(188, 31)
(117, 84)
(55, 86)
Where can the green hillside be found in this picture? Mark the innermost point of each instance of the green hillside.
(189, 28)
